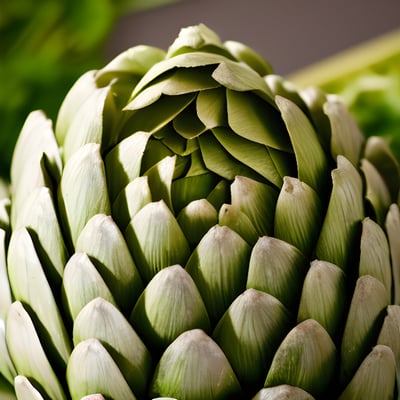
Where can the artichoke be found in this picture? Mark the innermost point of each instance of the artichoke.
(196, 227)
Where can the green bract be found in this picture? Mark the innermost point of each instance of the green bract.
(198, 229)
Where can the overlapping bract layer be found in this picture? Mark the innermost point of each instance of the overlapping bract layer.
(197, 228)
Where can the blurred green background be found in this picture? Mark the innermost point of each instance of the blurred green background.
(45, 45)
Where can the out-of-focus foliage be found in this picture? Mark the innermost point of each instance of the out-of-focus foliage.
(368, 79)
(44, 46)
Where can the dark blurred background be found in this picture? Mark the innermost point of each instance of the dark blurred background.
(289, 34)
(46, 44)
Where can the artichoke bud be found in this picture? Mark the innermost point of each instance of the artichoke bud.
(101, 320)
(25, 390)
(170, 305)
(341, 225)
(195, 228)
(249, 333)
(156, 240)
(375, 378)
(196, 219)
(283, 392)
(104, 243)
(369, 302)
(28, 354)
(27, 279)
(392, 227)
(91, 369)
(83, 189)
(377, 193)
(303, 354)
(218, 267)
(277, 268)
(194, 367)
(299, 207)
(375, 254)
(82, 283)
(322, 296)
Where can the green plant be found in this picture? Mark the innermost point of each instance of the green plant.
(198, 228)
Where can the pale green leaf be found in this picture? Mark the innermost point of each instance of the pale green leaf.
(343, 218)
(101, 320)
(193, 366)
(249, 153)
(312, 163)
(25, 390)
(298, 207)
(28, 354)
(392, 227)
(375, 254)
(27, 281)
(375, 378)
(254, 119)
(38, 214)
(370, 299)
(91, 369)
(170, 305)
(247, 55)
(322, 296)
(82, 283)
(303, 354)
(283, 392)
(130, 200)
(257, 200)
(83, 189)
(347, 139)
(249, 333)
(218, 266)
(123, 163)
(277, 268)
(377, 193)
(104, 243)
(196, 219)
(156, 240)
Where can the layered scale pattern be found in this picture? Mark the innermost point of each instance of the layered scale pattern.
(195, 228)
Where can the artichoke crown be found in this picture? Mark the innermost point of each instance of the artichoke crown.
(197, 227)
